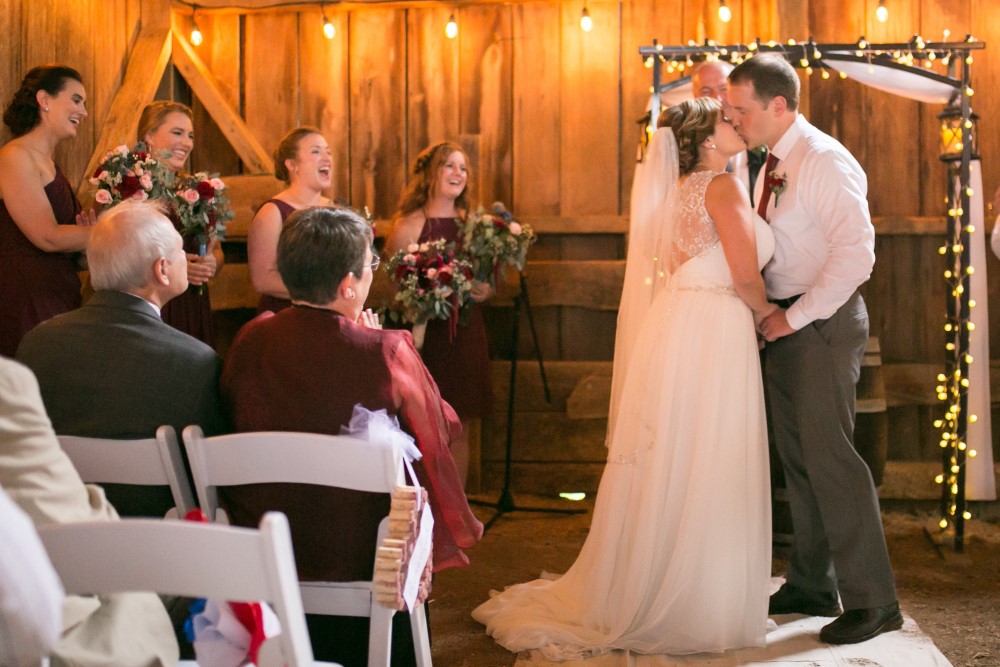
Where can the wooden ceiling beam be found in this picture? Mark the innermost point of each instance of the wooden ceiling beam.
(146, 64)
(204, 84)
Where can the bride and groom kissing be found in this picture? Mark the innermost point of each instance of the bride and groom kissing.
(678, 558)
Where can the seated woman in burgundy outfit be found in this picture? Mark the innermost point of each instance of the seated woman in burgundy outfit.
(305, 368)
(303, 161)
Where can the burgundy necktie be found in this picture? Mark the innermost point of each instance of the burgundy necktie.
(765, 197)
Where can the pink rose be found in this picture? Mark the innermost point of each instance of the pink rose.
(103, 197)
(410, 258)
(146, 181)
(218, 184)
(122, 150)
(432, 273)
(515, 229)
(190, 196)
(412, 248)
(140, 195)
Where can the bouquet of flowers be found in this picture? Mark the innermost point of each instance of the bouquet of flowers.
(201, 207)
(127, 173)
(493, 240)
(434, 283)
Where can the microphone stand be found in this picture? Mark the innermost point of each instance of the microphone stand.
(505, 503)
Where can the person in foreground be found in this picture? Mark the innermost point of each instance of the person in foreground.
(40, 218)
(118, 629)
(113, 368)
(305, 369)
(814, 195)
(303, 161)
(678, 559)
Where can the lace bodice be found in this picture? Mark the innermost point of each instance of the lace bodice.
(694, 231)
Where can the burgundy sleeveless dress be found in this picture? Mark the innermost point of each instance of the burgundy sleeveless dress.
(461, 367)
(267, 302)
(191, 312)
(35, 285)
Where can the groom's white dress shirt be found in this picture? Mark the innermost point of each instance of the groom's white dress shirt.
(824, 239)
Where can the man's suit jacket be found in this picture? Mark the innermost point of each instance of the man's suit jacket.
(121, 629)
(113, 369)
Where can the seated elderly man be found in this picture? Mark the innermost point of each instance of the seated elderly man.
(120, 629)
(114, 369)
(306, 368)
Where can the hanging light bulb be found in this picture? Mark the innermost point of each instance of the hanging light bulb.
(196, 37)
(451, 30)
(882, 13)
(725, 14)
(586, 23)
(329, 30)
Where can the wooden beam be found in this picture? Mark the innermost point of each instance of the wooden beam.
(142, 77)
(204, 85)
(246, 195)
(591, 284)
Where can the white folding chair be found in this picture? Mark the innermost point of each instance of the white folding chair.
(187, 559)
(309, 458)
(148, 462)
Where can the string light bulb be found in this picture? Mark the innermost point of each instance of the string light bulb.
(329, 31)
(451, 30)
(586, 23)
(725, 13)
(196, 36)
(882, 13)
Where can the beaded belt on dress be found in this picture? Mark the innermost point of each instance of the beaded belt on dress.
(728, 291)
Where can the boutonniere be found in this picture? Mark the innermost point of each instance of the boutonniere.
(777, 182)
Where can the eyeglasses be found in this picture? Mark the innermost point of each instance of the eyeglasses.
(375, 262)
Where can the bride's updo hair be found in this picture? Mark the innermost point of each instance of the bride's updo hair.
(692, 121)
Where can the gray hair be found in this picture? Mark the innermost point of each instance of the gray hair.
(125, 243)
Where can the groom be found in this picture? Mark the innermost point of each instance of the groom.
(813, 193)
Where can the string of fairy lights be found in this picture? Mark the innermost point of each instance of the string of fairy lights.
(958, 149)
(451, 27)
(330, 31)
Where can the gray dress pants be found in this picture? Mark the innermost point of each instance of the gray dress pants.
(839, 544)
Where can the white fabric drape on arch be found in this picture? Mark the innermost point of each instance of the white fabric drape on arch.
(980, 478)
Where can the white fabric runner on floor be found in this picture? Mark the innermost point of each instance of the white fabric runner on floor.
(795, 643)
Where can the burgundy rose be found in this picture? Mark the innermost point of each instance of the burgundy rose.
(129, 186)
(206, 191)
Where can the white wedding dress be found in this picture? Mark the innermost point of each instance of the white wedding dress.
(678, 558)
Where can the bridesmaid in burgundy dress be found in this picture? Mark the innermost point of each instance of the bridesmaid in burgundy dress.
(303, 161)
(40, 217)
(430, 209)
(166, 129)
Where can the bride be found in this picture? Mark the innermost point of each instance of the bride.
(678, 556)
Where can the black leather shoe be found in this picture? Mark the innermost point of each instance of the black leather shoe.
(794, 600)
(860, 625)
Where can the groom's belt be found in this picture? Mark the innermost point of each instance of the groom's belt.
(786, 303)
